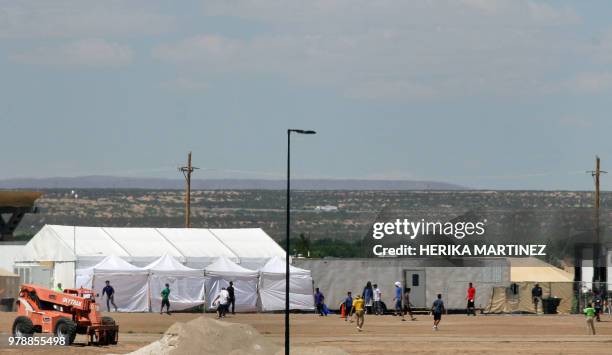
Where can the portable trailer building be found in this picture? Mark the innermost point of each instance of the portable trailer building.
(426, 278)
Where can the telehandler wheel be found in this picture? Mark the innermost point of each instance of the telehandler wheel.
(23, 327)
(65, 328)
(110, 335)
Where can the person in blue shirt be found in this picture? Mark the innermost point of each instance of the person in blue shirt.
(348, 305)
(110, 296)
(398, 300)
(437, 308)
(319, 299)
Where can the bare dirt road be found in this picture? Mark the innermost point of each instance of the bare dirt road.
(458, 334)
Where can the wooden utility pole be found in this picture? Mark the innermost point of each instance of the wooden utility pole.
(187, 170)
(599, 272)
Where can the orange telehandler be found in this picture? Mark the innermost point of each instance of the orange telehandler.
(65, 314)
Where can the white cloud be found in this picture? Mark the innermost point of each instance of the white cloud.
(83, 18)
(590, 82)
(358, 13)
(89, 52)
(575, 122)
(185, 83)
(390, 49)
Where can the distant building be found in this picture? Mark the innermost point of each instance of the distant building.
(326, 208)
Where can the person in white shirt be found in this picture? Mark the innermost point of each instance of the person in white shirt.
(378, 310)
(221, 301)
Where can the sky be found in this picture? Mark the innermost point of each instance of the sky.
(493, 94)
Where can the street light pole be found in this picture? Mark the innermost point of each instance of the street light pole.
(288, 232)
(76, 196)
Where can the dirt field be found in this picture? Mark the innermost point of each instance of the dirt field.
(384, 334)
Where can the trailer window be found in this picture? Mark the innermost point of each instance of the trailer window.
(415, 279)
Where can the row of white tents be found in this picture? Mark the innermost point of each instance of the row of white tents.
(56, 252)
(137, 289)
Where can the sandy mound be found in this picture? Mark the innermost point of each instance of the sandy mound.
(208, 336)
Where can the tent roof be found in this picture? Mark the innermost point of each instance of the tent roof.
(142, 242)
(249, 242)
(197, 243)
(535, 270)
(277, 265)
(56, 243)
(113, 263)
(224, 266)
(6, 273)
(168, 264)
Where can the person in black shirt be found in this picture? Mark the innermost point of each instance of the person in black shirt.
(232, 298)
(536, 295)
(110, 296)
(597, 304)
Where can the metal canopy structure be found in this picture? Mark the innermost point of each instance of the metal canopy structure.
(13, 207)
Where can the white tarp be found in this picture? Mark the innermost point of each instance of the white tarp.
(144, 245)
(272, 286)
(199, 246)
(221, 272)
(186, 284)
(252, 245)
(130, 283)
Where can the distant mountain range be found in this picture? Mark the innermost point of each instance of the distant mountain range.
(114, 182)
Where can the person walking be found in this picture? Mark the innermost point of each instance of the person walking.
(165, 301)
(437, 309)
(536, 295)
(398, 300)
(319, 299)
(59, 288)
(359, 311)
(348, 305)
(109, 291)
(471, 296)
(232, 297)
(378, 310)
(589, 312)
(221, 302)
(368, 297)
(407, 309)
(597, 305)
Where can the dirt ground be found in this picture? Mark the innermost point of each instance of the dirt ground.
(458, 334)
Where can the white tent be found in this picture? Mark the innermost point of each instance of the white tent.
(186, 284)
(64, 249)
(252, 245)
(129, 282)
(221, 272)
(272, 286)
(198, 246)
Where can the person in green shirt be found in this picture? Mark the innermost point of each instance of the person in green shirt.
(59, 288)
(165, 294)
(589, 312)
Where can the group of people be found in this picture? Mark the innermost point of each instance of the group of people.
(370, 302)
(108, 292)
(225, 299)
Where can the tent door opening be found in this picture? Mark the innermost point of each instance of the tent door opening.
(415, 279)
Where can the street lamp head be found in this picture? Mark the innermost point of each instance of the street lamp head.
(302, 131)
